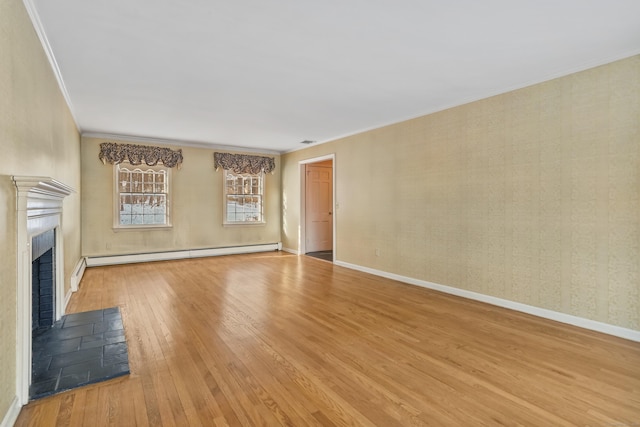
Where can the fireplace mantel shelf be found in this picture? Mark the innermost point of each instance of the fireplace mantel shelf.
(42, 185)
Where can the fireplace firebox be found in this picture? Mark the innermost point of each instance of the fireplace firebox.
(43, 281)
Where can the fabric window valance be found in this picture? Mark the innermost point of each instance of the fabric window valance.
(243, 163)
(139, 154)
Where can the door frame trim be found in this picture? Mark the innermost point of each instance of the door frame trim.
(303, 190)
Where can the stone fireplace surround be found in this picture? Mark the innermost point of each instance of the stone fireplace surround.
(39, 209)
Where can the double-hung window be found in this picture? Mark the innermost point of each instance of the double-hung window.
(243, 198)
(142, 196)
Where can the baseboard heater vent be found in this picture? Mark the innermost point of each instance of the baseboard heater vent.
(77, 274)
(172, 255)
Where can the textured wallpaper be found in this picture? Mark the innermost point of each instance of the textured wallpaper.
(531, 196)
(195, 203)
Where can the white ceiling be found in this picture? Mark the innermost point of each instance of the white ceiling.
(268, 74)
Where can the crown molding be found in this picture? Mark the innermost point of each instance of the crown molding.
(37, 25)
(177, 143)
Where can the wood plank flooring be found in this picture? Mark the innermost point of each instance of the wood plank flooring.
(275, 339)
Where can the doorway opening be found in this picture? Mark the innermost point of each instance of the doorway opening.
(317, 219)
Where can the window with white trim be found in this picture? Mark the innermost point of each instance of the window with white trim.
(142, 196)
(243, 198)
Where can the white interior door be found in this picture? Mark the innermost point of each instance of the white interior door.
(318, 207)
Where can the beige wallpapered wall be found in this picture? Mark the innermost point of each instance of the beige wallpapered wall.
(38, 137)
(196, 208)
(531, 196)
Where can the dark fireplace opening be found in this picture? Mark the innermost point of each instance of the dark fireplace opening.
(43, 282)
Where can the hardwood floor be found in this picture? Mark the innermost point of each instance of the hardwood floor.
(276, 339)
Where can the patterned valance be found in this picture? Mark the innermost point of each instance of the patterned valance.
(243, 163)
(139, 154)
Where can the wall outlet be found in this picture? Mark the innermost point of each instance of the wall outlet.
(377, 252)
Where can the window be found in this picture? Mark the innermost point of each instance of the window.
(142, 196)
(243, 195)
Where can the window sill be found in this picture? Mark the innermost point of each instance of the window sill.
(142, 227)
(244, 224)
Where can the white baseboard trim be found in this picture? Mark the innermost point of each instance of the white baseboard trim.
(581, 322)
(291, 251)
(165, 256)
(78, 272)
(12, 414)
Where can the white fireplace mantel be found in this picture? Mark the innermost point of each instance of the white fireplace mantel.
(43, 185)
(39, 209)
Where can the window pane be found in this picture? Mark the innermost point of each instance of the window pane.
(125, 205)
(136, 181)
(232, 207)
(243, 197)
(252, 208)
(159, 185)
(145, 200)
(148, 182)
(160, 210)
(146, 206)
(124, 181)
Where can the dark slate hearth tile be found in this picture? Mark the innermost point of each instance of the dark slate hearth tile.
(67, 359)
(39, 345)
(92, 344)
(71, 323)
(94, 337)
(114, 333)
(41, 376)
(111, 325)
(72, 332)
(43, 388)
(65, 346)
(73, 380)
(80, 349)
(91, 316)
(53, 348)
(41, 364)
(115, 339)
(112, 316)
(100, 327)
(82, 367)
(41, 335)
(108, 372)
(111, 349)
(115, 359)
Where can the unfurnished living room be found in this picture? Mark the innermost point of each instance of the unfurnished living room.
(320, 213)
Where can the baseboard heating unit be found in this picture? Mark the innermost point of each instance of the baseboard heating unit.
(183, 254)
